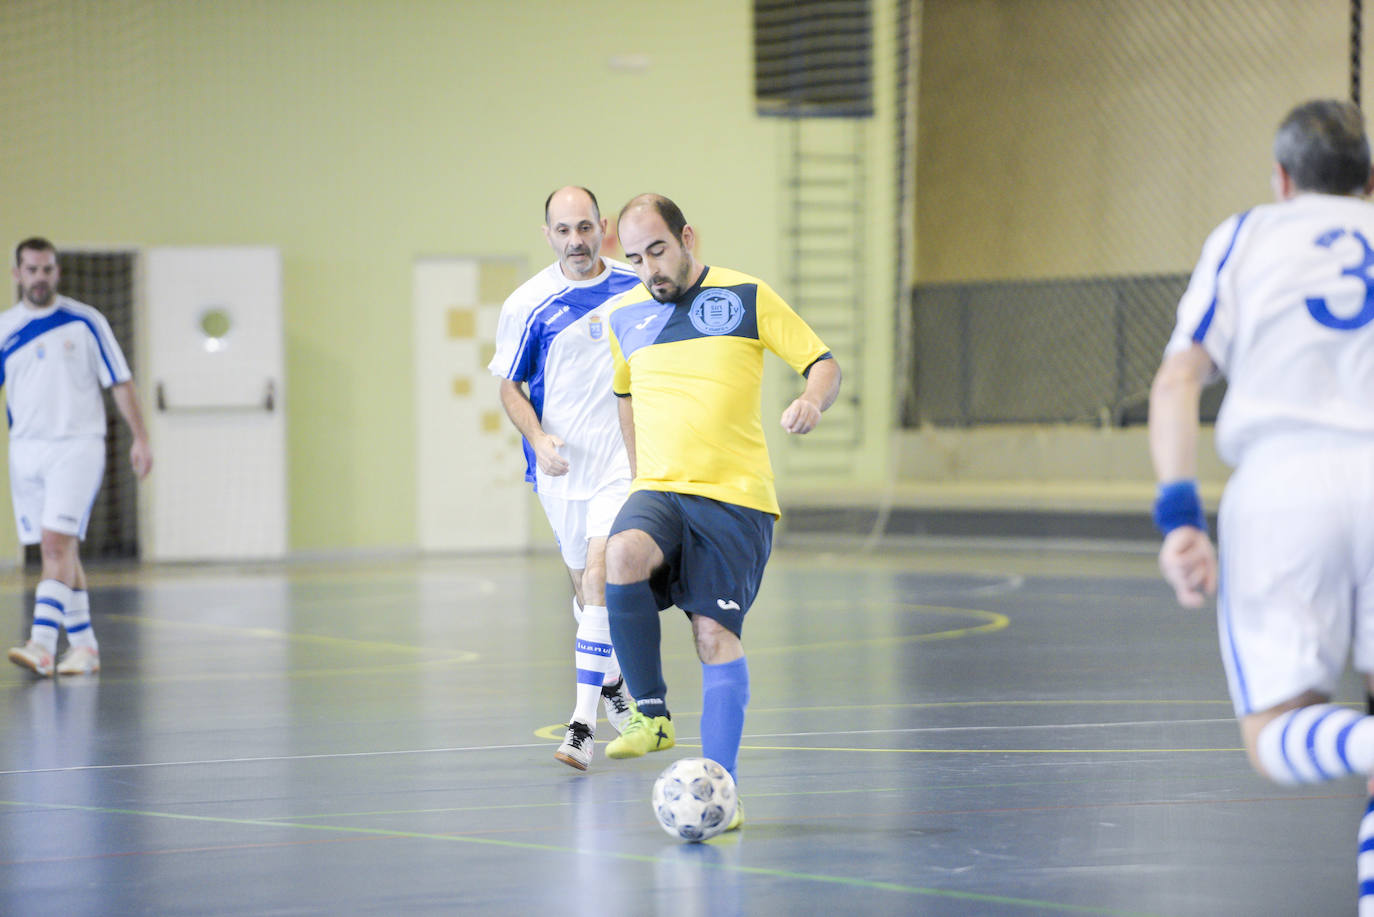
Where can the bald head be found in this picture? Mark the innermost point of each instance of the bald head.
(571, 196)
(667, 211)
(574, 228)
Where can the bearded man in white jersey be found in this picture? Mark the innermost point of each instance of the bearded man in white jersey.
(1282, 304)
(552, 338)
(56, 354)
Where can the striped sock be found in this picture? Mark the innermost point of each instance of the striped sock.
(1364, 862)
(1317, 743)
(724, 696)
(50, 601)
(593, 652)
(77, 620)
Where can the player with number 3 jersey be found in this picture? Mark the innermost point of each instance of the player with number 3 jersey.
(1282, 304)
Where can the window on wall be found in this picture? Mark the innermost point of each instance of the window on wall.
(813, 58)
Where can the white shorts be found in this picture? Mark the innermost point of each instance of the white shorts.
(1296, 532)
(574, 521)
(53, 484)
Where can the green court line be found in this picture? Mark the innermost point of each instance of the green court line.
(633, 857)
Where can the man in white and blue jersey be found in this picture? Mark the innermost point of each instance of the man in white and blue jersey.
(552, 338)
(1282, 304)
(56, 354)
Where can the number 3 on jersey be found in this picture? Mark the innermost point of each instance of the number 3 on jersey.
(1317, 305)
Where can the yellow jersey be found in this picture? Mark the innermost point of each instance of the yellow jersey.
(695, 370)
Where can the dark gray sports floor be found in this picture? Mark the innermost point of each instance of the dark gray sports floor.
(935, 729)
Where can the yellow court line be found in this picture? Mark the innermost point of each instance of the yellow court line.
(266, 633)
(555, 732)
(993, 622)
(416, 665)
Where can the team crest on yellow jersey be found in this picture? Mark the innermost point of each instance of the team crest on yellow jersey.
(594, 328)
(716, 311)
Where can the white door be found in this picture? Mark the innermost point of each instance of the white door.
(470, 485)
(213, 384)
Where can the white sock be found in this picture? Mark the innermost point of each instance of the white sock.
(1364, 862)
(593, 652)
(77, 620)
(50, 601)
(1317, 743)
(577, 611)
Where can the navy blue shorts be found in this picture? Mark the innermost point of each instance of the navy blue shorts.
(714, 553)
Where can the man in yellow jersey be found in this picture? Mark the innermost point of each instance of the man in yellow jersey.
(697, 528)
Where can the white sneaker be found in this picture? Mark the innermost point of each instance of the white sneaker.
(79, 660)
(34, 657)
(576, 750)
(620, 706)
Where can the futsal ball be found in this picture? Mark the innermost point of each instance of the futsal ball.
(694, 799)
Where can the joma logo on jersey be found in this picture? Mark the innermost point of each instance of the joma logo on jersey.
(594, 328)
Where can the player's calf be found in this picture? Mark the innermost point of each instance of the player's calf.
(1311, 743)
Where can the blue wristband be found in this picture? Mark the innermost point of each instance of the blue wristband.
(1178, 504)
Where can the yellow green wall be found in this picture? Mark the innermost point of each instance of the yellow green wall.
(357, 136)
(1066, 138)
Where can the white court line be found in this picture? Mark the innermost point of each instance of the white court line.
(1020, 728)
(1011, 583)
(438, 751)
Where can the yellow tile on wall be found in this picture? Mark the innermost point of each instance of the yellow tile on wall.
(492, 422)
(462, 323)
(462, 386)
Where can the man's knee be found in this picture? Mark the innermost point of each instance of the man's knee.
(58, 553)
(594, 574)
(1253, 724)
(58, 547)
(715, 642)
(631, 557)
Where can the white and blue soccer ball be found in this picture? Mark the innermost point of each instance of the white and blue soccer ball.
(694, 799)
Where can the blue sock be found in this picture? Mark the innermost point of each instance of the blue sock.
(635, 634)
(724, 695)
